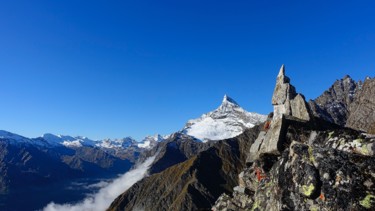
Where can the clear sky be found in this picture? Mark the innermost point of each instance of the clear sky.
(132, 68)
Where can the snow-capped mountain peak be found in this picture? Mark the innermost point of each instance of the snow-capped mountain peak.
(227, 121)
(227, 100)
(56, 138)
(79, 141)
(50, 140)
(68, 141)
(150, 141)
(227, 106)
(116, 143)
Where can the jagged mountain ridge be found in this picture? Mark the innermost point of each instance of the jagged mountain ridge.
(227, 121)
(334, 104)
(51, 140)
(348, 103)
(69, 141)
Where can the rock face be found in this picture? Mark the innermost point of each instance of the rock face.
(334, 104)
(194, 184)
(287, 104)
(320, 170)
(305, 165)
(362, 110)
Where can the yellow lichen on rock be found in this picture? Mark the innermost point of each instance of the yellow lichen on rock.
(308, 190)
(367, 201)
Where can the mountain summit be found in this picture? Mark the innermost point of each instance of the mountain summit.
(227, 100)
(227, 121)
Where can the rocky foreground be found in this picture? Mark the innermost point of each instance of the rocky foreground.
(305, 163)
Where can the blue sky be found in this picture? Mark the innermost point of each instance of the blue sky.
(131, 68)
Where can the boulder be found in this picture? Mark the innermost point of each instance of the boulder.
(255, 148)
(299, 108)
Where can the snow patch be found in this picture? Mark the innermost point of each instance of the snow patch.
(150, 141)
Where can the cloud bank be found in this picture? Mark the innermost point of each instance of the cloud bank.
(106, 195)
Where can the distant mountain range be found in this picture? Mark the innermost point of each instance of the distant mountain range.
(27, 163)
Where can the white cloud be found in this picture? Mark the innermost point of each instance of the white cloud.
(101, 184)
(106, 195)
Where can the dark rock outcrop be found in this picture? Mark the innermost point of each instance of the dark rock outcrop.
(319, 166)
(320, 170)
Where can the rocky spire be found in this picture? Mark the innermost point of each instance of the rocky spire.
(283, 89)
(281, 77)
(286, 101)
(287, 105)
